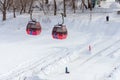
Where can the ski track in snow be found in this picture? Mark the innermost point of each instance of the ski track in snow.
(105, 51)
(45, 62)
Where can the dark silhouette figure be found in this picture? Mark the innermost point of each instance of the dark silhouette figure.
(66, 70)
(107, 18)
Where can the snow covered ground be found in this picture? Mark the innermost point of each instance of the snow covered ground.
(27, 57)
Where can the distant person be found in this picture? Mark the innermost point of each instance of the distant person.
(66, 70)
(107, 18)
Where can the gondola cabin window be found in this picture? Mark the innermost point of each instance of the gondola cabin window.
(33, 28)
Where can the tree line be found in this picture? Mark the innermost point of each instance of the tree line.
(27, 6)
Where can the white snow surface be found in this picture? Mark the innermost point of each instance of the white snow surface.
(27, 57)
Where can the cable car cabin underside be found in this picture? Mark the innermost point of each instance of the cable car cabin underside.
(33, 28)
(59, 32)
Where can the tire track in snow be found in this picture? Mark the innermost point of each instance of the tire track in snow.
(111, 74)
(102, 51)
(106, 49)
(83, 50)
(111, 53)
(106, 52)
(43, 61)
(16, 73)
(57, 59)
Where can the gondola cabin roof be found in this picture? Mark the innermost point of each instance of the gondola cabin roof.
(60, 28)
(32, 24)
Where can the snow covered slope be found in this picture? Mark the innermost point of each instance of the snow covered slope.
(27, 57)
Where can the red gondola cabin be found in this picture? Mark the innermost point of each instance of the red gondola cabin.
(59, 32)
(33, 28)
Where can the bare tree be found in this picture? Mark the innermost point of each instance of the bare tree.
(3, 7)
(43, 6)
(90, 4)
(46, 1)
(14, 8)
(73, 5)
(83, 2)
(30, 6)
(23, 4)
(55, 7)
(64, 6)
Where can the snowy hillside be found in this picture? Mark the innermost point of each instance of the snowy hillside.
(90, 52)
